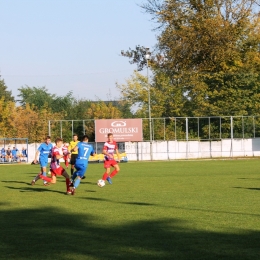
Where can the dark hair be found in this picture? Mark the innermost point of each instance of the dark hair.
(109, 134)
(75, 135)
(48, 137)
(85, 137)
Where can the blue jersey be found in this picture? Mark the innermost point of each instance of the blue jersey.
(14, 152)
(24, 153)
(44, 150)
(84, 151)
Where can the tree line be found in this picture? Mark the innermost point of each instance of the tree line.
(28, 117)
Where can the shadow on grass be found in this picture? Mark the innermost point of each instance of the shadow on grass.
(135, 203)
(47, 233)
(248, 178)
(32, 189)
(20, 182)
(129, 203)
(88, 182)
(245, 188)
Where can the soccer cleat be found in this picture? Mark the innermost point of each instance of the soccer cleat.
(109, 180)
(73, 191)
(46, 183)
(68, 192)
(33, 182)
(83, 177)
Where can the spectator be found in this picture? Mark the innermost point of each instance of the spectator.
(15, 154)
(8, 155)
(3, 155)
(23, 155)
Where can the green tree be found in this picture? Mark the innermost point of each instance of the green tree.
(40, 97)
(36, 96)
(63, 103)
(103, 110)
(209, 52)
(4, 93)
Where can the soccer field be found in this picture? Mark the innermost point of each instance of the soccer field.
(153, 210)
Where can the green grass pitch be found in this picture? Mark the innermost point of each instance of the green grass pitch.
(153, 210)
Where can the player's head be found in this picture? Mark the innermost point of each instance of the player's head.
(75, 137)
(47, 139)
(85, 138)
(59, 142)
(110, 136)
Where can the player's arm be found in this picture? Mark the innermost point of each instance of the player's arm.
(75, 149)
(118, 155)
(106, 153)
(93, 152)
(36, 156)
(58, 156)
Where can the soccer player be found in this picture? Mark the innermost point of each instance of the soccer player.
(55, 167)
(66, 154)
(84, 150)
(109, 148)
(43, 152)
(74, 154)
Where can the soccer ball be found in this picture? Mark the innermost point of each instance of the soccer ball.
(101, 183)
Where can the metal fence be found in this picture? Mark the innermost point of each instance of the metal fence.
(172, 128)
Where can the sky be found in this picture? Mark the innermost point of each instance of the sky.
(71, 45)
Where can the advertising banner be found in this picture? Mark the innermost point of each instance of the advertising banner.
(123, 130)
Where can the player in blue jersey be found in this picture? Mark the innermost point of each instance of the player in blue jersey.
(84, 150)
(14, 152)
(43, 152)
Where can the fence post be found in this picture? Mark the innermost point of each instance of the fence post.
(254, 125)
(231, 132)
(187, 136)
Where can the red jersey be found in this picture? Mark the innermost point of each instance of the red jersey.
(55, 163)
(65, 149)
(110, 147)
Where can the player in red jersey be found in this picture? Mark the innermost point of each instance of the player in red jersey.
(56, 168)
(66, 154)
(109, 148)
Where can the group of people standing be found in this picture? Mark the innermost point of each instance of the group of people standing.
(78, 152)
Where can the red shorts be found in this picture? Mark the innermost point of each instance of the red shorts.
(65, 157)
(108, 164)
(57, 171)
